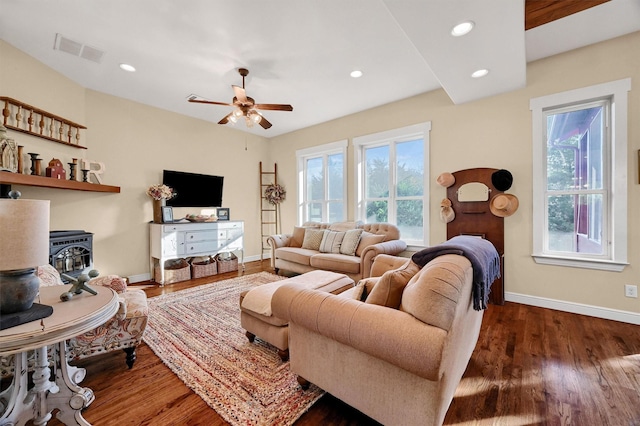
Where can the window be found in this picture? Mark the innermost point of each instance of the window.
(580, 177)
(322, 183)
(392, 172)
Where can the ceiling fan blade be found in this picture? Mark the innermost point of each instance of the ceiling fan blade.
(274, 107)
(198, 101)
(225, 120)
(240, 93)
(264, 122)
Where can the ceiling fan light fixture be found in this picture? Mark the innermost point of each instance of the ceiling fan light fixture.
(233, 119)
(462, 28)
(256, 116)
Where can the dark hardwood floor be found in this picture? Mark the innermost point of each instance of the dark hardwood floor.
(531, 366)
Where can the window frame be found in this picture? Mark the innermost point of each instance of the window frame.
(616, 168)
(323, 151)
(399, 135)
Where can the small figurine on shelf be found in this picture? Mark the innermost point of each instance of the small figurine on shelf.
(56, 169)
(79, 285)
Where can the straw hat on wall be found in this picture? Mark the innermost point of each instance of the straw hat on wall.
(504, 205)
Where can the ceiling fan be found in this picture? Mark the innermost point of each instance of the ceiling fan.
(245, 106)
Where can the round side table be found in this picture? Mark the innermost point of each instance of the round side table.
(82, 313)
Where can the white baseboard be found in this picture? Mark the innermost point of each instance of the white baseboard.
(139, 278)
(147, 276)
(576, 308)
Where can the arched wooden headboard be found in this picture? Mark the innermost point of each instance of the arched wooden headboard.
(475, 218)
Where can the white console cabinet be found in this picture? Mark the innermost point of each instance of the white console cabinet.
(182, 240)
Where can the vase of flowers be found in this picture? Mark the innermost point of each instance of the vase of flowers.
(159, 195)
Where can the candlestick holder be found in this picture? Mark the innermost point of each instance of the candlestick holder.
(72, 171)
(34, 157)
(85, 175)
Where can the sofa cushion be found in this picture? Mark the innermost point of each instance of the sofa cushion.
(388, 290)
(350, 242)
(343, 226)
(336, 262)
(296, 255)
(368, 239)
(433, 294)
(312, 238)
(331, 242)
(297, 237)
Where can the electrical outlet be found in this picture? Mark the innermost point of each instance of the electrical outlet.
(631, 290)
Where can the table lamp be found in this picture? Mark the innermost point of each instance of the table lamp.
(24, 245)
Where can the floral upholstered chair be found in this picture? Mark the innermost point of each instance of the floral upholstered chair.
(123, 331)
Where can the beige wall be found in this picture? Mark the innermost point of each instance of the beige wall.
(136, 142)
(496, 133)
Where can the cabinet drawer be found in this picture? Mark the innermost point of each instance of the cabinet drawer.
(203, 247)
(201, 236)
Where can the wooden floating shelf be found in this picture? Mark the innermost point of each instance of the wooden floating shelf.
(8, 178)
(19, 116)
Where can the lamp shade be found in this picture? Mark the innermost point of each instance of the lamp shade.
(24, 233)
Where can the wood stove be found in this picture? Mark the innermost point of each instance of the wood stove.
(71, 252)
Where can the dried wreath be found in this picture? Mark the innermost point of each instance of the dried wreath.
(274, 193)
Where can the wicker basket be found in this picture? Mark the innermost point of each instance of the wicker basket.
(203, 269)
(175, 270)
(227, 262)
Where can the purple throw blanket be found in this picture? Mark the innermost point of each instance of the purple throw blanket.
(484, 259)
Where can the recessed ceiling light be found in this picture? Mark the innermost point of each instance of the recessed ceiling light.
(356, 74)
(462, 28)
(480, 73)
(128, 67)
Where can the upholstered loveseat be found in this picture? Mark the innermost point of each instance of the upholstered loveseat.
(399, 355)
(344, 247)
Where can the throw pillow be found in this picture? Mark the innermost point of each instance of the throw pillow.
(388, 290)
(298, 236)
(367, 285)
(360, 292)
(312, 239)
(331, 242)
(350, 242)
(366, 240)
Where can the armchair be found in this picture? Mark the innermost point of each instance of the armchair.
(123, 331)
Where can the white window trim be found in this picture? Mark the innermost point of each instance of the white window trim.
(422, 130)
(315, 151)
(617, 90)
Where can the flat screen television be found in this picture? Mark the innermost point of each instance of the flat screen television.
(194, 190)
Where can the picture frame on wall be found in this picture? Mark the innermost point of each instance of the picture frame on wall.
(167, 214)
(222, 213)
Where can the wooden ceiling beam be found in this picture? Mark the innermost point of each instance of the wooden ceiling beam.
(540, 12)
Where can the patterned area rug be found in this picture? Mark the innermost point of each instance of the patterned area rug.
(197, 334)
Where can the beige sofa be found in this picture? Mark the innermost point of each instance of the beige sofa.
(399, 366)
(301, 252)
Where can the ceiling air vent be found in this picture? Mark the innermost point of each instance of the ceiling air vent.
(75, 48)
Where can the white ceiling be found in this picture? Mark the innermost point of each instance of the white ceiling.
(299, 52)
